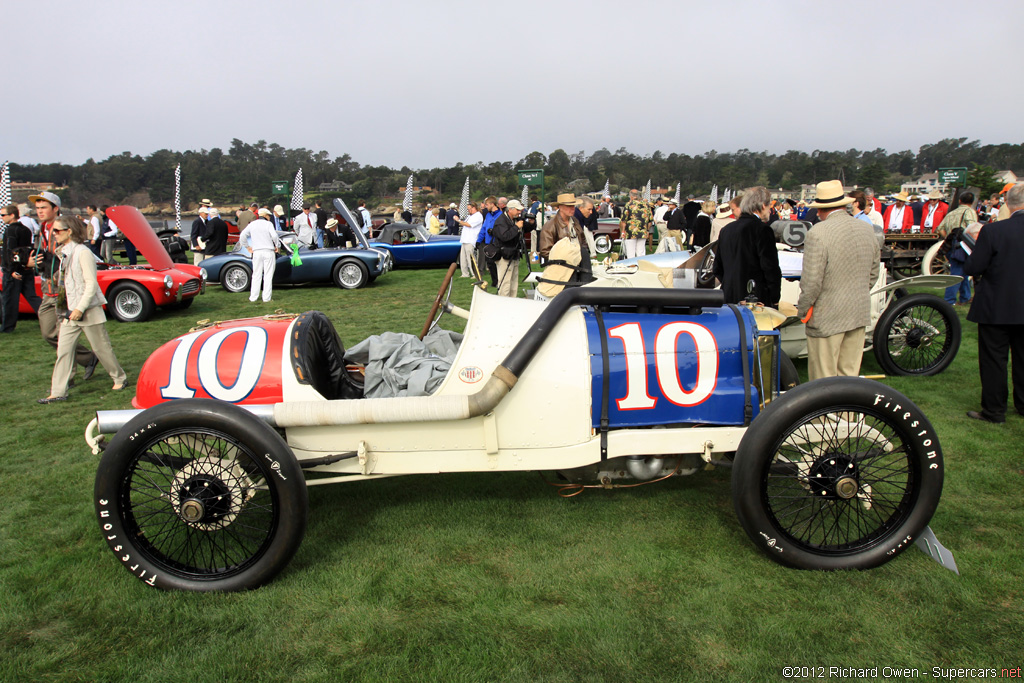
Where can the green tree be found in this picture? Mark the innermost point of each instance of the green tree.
(984, 178)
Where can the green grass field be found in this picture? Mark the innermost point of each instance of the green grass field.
(483, 577)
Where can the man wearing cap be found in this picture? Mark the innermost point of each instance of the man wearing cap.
(198, 235)
(304, 226)
(261, 240)
(280, 223)
(898, 217)
(636, 223)
(470, 229)
(841, 262)
(451, 219)
(506, 236)
(933, 212)
(998, 309)
(47, 262)
(18, 280)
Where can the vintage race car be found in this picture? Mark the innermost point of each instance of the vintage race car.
(205, 488)
(133, 292)
(347, 267)
(410, 245)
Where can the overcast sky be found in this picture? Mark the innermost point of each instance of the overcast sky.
(436, 82)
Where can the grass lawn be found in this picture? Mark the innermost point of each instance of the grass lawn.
(490, 576)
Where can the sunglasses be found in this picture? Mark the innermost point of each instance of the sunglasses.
(60, 229)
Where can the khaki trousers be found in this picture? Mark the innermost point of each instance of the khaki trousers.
(50, 328)
(68, 339)
(835, 356)
(508, 277)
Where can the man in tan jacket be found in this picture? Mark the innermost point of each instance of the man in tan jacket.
(841, 261)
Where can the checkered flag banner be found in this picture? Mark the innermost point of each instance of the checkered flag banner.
(177, 198)
(607, 191)
(714, 193)
(407, 202)
(647, 191)
(526, 196)
(297, 192)
(679, 190)
(464, 202)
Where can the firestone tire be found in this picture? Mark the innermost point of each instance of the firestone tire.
(918, 334)
(129, 302)
(200, 495)
(840, 473)
(236, 278)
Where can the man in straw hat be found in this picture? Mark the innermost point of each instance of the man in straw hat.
(899, 217)
(841, 261)
(562, 224)
(933, 212)
(198, 235)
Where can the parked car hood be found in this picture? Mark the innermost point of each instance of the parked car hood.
(135, 227)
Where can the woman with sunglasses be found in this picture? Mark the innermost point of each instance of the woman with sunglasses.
(83, 303)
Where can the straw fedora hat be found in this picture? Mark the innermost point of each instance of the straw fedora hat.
(934, 194)
(567, 199)
(724, 210)
(829, 195)
(901, 197)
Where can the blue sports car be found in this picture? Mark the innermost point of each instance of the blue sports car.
(347, 267)
(411, 246)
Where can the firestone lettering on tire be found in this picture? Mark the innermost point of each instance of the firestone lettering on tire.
(117, 547)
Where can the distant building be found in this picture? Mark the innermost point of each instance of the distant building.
(924, 184)
(335, 186)
(416, 189)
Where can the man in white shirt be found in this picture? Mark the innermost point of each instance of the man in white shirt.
(305, 226)
(470, 231)
(261, 239)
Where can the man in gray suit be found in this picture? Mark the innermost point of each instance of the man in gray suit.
(841, 257)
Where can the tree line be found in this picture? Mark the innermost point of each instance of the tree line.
(245, 172)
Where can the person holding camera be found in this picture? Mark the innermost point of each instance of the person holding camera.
(18, 280)
(506, 238)
(79, 307)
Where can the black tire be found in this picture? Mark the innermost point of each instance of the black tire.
(184, 458)
(350, 274)
(841, 473)
(918, 334)
(788, 375)
(236, 277)
(129, 302)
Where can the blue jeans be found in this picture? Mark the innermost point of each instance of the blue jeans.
(964, 287)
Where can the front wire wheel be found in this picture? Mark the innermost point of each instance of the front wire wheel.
(837, 474)
(917, 334)
(200, 501)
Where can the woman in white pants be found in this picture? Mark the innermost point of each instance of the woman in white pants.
(261, 239)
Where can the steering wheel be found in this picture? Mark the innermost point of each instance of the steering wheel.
(705, 270)
(440, 301)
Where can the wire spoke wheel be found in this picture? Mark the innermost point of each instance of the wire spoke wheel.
(839, 473)
(839, 481)
(194, 494)
(917, 335)
(199, 504)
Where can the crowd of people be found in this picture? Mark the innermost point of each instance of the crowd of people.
(840, 262)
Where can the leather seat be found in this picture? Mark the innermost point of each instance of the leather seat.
(318, 358)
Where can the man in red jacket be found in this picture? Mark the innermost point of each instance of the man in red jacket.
(933, 212)
(899, 217)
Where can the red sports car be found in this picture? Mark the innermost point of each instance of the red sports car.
(132, 292)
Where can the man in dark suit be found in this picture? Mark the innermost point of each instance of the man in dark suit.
(746, 252)
(690, 210)
(216, 235)
(199, 234)
(998, 308)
